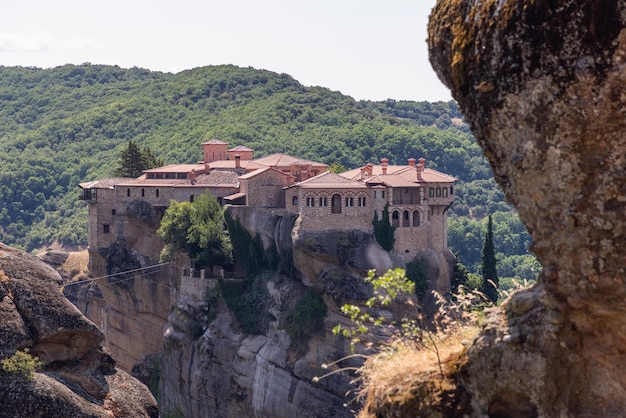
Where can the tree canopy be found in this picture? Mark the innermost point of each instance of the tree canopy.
(133, 161)
(198, 229)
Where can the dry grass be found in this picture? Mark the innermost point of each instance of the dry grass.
(76, 265)
(406, 380)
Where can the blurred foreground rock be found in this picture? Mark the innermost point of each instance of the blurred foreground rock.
(542, 85)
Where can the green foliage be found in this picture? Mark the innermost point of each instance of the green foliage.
(248, 301)
(386, 288)
(198, 229)
(133, 161)
(415, 273)
(490, 273)
(21, 364)
(306, 318)
(248, 250)
(383, 231)
(336, 168)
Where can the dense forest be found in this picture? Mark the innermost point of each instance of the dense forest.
(69, 124)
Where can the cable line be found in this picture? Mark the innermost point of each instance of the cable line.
(120, 273)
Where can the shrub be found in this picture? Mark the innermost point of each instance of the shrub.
(306, 319)
(21, 364)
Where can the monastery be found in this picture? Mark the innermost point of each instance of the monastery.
(417, 197)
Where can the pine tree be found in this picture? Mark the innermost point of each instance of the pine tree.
(133, 161)
(490, 273)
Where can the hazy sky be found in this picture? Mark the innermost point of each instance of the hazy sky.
(368, 49)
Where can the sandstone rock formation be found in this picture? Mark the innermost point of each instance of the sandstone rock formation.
(542, 87)
(78, 378)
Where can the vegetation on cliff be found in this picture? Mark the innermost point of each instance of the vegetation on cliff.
(198, 229)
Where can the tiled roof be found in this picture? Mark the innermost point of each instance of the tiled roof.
(215, 142)
(261, 170)
(284, 160)
(406, 174)
(329, 179)
(176, 168)
(231, 165)
(104, 183)
(240, 148)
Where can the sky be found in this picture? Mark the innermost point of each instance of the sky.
(367, 49)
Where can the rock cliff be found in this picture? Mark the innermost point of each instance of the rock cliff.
(234, 349)
(230, 368)
(78, 377)
(541, 85)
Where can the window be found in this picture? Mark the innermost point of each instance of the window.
(157, 192)
(416, 218)
(143, 192)
(191, 199)
(374, 194)
(451, 190)
(431, 192)
(445, 192)
(362, 201)
(127, 192)
(113, 212)
(405, 218)
(438, 192)
(349, 201)
(395, 219)
(323, 201)
(383, 192)
(294, 201)
(335, 204)
(310, 202)
(105, 228)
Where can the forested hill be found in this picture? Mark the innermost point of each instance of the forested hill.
(65, 125)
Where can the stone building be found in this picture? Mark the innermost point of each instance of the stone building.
(417, 197)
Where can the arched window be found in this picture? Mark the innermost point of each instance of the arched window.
(143, 192)
(294, 201)
(405, 218)
(395, 218)
(438, 192)
(416, 218)
(127, 192)
(445, 192)
(431, 192)
(335, 204)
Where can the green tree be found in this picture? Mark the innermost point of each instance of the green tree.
(490, 273)
(198, 229)
(383, 231)
(336, 168)
(133, 161)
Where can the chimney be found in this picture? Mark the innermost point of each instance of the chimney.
(385, 163)
(420, 169)
(412, 162)
(237, 161)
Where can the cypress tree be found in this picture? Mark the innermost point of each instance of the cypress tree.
(383, 231)
(133, 161)
(490, 274)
